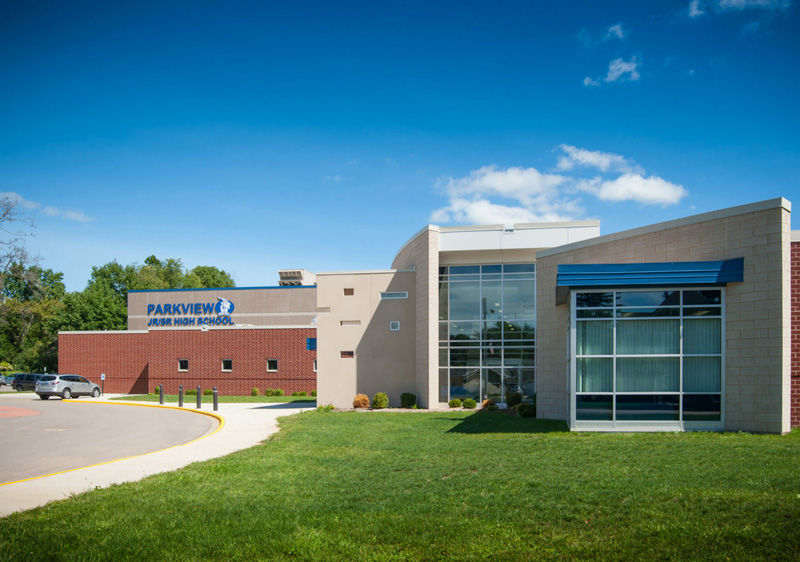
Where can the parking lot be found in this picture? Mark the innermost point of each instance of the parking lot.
(41, 437)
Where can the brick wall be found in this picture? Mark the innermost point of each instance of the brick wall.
(795, 407)
(138, 362)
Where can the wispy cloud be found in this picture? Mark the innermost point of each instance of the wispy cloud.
(696, 9)
(755, 4)
(615, 31)
(618, 69)
(49, 210)
(590, 82)
(490, 195)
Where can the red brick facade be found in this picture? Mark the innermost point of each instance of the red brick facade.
(137, 362)
(795, 398)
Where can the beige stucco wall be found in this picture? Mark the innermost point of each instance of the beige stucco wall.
(757, 321)
(422, 254)
(384, 359)
(277, 306)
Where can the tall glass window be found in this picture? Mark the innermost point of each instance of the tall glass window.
(650, 356)
(487, 331)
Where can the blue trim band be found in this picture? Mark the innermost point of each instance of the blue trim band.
(223, 289)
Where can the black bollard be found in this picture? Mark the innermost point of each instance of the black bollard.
(161, 394)
(180, 396)
(199, 397)
(216, 399)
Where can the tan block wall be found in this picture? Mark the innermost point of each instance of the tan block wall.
(422, 253)
(384, 360)
(277, 306)
(757, 322)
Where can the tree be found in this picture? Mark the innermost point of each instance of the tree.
(208, 277)
(12, 223)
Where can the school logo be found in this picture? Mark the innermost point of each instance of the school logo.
(224, 307)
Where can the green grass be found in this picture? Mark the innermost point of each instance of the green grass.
(442, 486)
(192, 399)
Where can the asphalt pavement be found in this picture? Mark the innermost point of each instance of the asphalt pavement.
(56, 449)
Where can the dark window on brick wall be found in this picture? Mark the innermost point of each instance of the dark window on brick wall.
(311, 344)
(272, 365)
(227, 364)
(183, 364)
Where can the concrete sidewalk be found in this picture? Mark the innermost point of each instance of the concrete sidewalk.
(244, 425)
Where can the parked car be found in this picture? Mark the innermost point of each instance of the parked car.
(25, 381)
(65, 386)
(9, 379)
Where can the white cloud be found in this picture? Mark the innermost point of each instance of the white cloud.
(618, 68)
(615, 31)
(635, 187)
(590, 82)
(528, 195)
(696, 9)
(49, 210)
(603, 161)
(336, 179)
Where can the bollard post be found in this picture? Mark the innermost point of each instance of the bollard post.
(199, 397)
(216, 399)
(161, 394)
(180, 396)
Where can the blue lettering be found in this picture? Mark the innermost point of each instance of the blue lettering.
(189, 321)
(159, 310)
(150, 308)
(208, 307)
(167, 309)
(197, 308)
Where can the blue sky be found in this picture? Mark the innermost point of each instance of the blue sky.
(256, 136)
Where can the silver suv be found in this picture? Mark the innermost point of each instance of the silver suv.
(65, 386)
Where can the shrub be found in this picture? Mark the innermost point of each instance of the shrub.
(379, 401)
(470, 404)
(492, 407)
(295, 394)
(326, 408)
(313, 393)
(278, 392)
(254, 392)
(302, 393)
(191, 392)
(488, 402)
(408, 400)
(208, 392)
(527, 410)
(455, 403)
(361, 401)
(513, 398)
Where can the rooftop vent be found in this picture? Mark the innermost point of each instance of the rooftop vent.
(293, 277)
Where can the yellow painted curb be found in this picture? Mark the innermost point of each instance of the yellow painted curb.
(210, 414)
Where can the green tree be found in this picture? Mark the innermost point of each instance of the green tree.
(208, 277)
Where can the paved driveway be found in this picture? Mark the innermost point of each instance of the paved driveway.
(39, 437)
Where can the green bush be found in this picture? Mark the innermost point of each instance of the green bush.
(470, 404)
(278, 392)
(455, 403)
(527, 410)
(273, 392)
(313, 393)
(191, 392)
(295, 394)
(255, 392)
(302, 393)
(492, 407)
(408, 400)
(380, 401)
(326, 408)
(513, 398)
(208, 392)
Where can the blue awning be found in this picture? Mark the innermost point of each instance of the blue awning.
(630, 275)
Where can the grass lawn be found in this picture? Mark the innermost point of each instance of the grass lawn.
(442, 486)
(189, 400)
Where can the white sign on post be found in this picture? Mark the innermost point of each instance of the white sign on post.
(102, 376)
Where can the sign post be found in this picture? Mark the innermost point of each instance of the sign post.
(102, 383)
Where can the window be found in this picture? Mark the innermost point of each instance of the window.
(272, 365)
(647, 356)
(311, 344)
(350, 323)
(390, 296)
(349, 292)
(347, 354)
(227, 365)
(315, 365)
(487, 325)
(183, 364)
(394, 325)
